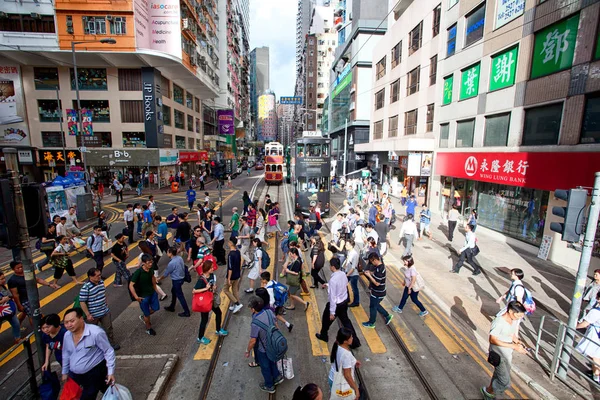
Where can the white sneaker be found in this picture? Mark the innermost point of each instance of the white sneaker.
(231, 308)
(238, 308)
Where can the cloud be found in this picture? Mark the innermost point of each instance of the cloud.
(273, 24)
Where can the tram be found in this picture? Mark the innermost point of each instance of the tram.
(274, 163)
(311, 163)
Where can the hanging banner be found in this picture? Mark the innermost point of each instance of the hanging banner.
(72, 122)
(414, 164)
(226, 122)
(86, 122)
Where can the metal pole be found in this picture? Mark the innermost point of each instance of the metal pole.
(10, 157)
(62, 132)
(79, 124)
(345, 146)
(220, 181)
(582, 272)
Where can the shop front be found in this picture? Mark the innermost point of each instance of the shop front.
(130, 165)
(512, 192)
(168, 165)
(190, 162)
(59, 162)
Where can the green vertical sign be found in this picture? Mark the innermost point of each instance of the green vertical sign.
(597, 54)
(469, 82)
(504, 68)
(554, 47)
(448, 83)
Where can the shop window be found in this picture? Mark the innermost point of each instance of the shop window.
(189, 101)
(168, 141)
(134, 139)
(415, 38)
(94, 25)
(379, 99)
(49, 111)
(45, 78)
(165, 87)
(130, 79)
(444, 135)
(412, 81)
(166, 115)
(380, 68)
(397, 54)
(179, 142)
(590, 131)
(430, 114)
(496, 130)
(52, 139)
(451, 41)
(378, 130)
(100, 109)
(177, 94)
(98, 139)
(465, 130)
(410, 122)
(190, 123)
(395, 91)
(475, 25)
(179, 119)
(542, 125)
(437, 16)
(90, 79)
(132, 111)
(393, 126)
(433, 70)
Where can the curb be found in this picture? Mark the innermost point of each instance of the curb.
(161, 383)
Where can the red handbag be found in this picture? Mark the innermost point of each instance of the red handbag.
(203, 302)
(71, 390)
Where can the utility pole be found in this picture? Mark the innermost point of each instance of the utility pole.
(345, 146)
(584, 264)
(12, 166)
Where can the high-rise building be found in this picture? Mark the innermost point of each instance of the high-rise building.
(267, 117)
(140, 86)
(285, 123)
(259, 81)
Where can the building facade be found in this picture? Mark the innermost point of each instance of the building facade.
(259, 81)
(518, 114)
(267, 117)
(285, 123)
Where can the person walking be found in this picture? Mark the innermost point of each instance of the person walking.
(337, 304)
(317, 256)
(61, 261)
(18, 288)
(94, 246)
(453, 216)
(184, 230)
(139, 217)
(207, 282)
(383, 230)
(473, 219)
(261, 217)
(468, 252)
(244, 238)
(410, 287)
(273, 220)
(263, 320)
(92, 298)
(218, 241)
(234, 225)
(119, 254)
(207, 227)
(267, 293)
(231, 288)
(411, 205)
(588, 345)
(143, 290)
(53, 335)
(591, 291)
(503, 341)
(293, 274)
(376, 275)
(10, 314)
(256, 268)
(176, 269)
(408, 232)
(351, 271)
(190, 195)
(425, 222)
(343, 360)
(147, 218)
(172, 220)
(128, 217)
(246, 200)
(88, 357)
(151, 205)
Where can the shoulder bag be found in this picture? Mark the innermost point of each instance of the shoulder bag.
(203, 302)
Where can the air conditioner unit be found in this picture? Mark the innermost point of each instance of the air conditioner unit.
(109, 17)
(36, 16)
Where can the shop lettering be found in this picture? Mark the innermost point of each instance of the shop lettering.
(120, 153)
(148, 98)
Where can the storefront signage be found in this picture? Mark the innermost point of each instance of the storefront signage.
(25, 157)
(158, 26)
(414, 164)
(540, 170)
(448, 83)
(188, 156)
(341, 76)
(203, 155)
(504, 68)
(554, 47)
(544, 250)
(86, 122)
(72, 122)
(122, 158)
(507, 10)
(13, 128)
(297, 100)
(469, 82)
(168, 156)
(343, 83)
(152, 100)
(426, 164)
(403, 163)
(49, 158)
(226, 122)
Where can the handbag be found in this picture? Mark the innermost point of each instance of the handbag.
(47, 246)
(419, 283)
(71, 390)
(8, 309)
(292, 280)
(494, 358)
(341, 390)
(272, 220)
(50, 387)
(475, 250)
(286, 368)
(203, 302)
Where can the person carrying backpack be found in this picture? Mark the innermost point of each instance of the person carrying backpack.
(517, 292)
(279, 295)
(268, 343)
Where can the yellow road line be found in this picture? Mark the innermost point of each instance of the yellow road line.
(370, 335)
(313, 319)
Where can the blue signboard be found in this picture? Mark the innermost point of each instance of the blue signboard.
(290, 100)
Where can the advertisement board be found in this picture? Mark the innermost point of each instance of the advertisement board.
(226, 122)
(297, 100)
(414, 164)
(507, 10)
(158, 26)
(86, 122)
(13, 129)
(72, 122)
(152, 98)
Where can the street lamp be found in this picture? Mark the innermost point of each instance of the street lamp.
(62, 133)
(79, 122)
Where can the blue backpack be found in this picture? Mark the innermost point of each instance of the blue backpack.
(265, 260)
(275, 343)
(280, 292)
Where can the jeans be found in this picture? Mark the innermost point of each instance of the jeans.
(408, 241)
(204, 321)
(374, 307)
(234, 234)
(122, 272)
(177, 293)
(354, 285)
(92, 381)
(139, 227)
(414, 296)
(468, 255)
(267, 367)
(13, 320)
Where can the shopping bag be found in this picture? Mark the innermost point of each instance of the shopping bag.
(50, 387)
(341, 390)
(272, 220)
(287, 367)
(71, 390)
(117, 392)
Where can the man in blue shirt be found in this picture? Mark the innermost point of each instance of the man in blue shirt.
(410, 205)
(219, 242)
(191, 197)
(147, 216)
(94, 246)
(176, 268)
(373, 213)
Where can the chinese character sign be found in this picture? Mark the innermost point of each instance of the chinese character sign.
(86, 122)
(72, 122)
(226, 122)
(597, 53)
(469, 82)
(504, 68)
(447, 97)
(555, 47)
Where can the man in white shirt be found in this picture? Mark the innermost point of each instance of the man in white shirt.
(61, 229)
(336, 226)
(372, 233)
(408, 232)
(71, 224)
(468, 252)
(128, 218)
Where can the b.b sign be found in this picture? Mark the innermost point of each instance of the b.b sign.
(290, 100)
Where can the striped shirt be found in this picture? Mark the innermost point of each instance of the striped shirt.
(378, 274)
(95, 297)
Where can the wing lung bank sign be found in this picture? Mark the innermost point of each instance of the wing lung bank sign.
(545, 171)
(158, 26)
(13, 129)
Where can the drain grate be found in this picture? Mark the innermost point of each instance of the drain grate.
(427, 247)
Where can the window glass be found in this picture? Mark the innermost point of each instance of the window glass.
(393, 126)
(325, 150)
(542, 125)
(130, 79)
(415, 38)
(179, 119)
(380, 68)
(100, 109)
(412, 81)
(190, 123)
(452, 3)
(134, 139)
(300, 150)
(46, 78)
(397, 54)
(189, 101)
(437, 13)
(379, 99)
(475, 25)
(590, 131)
(496, 130)
(410, 122)
(179, 142)
(430, 115)
(49, 111)
(313, 150)
(312, 184)
(166, 115)
(395, 91)
(378, 130)
(52, 139)
(177, 94)
(89, 79)
(451, 42)
(464, 133)
(98, 139)
(444, 134)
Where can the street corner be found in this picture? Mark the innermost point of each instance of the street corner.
(156, 369)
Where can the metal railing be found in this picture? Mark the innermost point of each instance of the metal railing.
(28, 361)
(550, 347)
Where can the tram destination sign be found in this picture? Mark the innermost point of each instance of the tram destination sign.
(315, 166)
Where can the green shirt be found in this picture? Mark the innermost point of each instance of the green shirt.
(235, 221)
(292, 237)
(143, 282)
(201, 283)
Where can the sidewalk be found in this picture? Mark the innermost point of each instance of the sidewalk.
(472, 300)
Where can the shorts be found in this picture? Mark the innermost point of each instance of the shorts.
(150, 303)
(73, 231)
(59, 271)
(292, 290)
(27, 308)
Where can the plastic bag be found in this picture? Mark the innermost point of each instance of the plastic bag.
(117, 392)
(50, 387)
(286, 368)
(341, 390)
(71, 390)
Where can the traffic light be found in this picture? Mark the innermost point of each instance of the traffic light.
(573, 214)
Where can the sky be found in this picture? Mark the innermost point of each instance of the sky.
(273, 24)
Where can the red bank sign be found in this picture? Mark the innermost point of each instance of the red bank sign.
(546, 171)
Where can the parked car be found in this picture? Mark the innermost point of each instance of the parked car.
(259, 166)
(250, 164)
